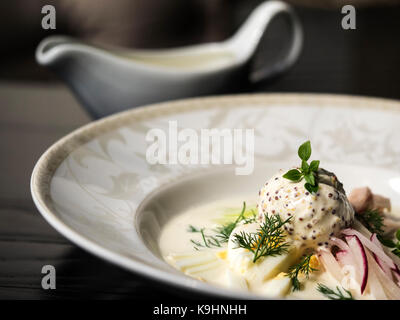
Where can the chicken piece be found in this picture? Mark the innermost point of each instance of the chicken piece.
(360, 199)
(380, 203)
(363, 199)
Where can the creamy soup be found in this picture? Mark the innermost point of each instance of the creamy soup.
(208, 264)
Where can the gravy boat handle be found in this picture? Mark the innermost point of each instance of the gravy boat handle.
(248, 38)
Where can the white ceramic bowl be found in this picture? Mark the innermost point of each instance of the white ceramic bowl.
(96, 188)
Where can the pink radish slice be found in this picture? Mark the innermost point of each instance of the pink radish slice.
(345, 258)
(357, 225)
(375, 287)
(355, 263)
(394, 258)
(339, 243)
(360, 256)
(330, 264)
(371, 246)
(382, 265)
(360, 228)
(396, 273)
(397, 276)
(379, 261)
(391, 289)
(396, 270)
(374, 239)
(364, 231)
(340, 254)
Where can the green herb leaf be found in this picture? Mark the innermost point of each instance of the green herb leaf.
(310, 178)
(373, 221)
(396, 249)
(314, 165)
(269, 240)
(332, 295)
(296, 284)
(309, 172)
(304, 151)
(396, 252)
(304, 166)
(293, 175)
(193, 229)
(224, 231)
(311, 188)
(302, 267)
(208, 241)
(386, 242)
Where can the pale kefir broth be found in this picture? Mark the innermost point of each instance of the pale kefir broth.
(175, 241)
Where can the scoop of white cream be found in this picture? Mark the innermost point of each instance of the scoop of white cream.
(313, 217)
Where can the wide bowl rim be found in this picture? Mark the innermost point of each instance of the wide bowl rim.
(50, 160)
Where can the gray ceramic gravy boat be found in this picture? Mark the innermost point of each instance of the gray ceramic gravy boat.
(114, 79)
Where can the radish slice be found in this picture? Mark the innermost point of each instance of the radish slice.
(350, 270)
(364, 231)
(383, 265)
(341, 253)
(397, 276)
(339, 243)
(374, 285)
(358, 251)
(371, 246)
(345, 258)
(330, 264)
(360, 228)
(391, 289)
(394, 258)
(374, 239)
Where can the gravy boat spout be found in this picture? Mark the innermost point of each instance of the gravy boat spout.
(108, 80)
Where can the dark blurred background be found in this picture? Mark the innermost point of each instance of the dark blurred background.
(363, 61)
(36, 109)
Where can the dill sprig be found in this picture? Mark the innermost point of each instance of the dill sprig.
(374, 222)
(332, 295)
(269, 240)
(302, 267)
(208, 241)
(224, 231)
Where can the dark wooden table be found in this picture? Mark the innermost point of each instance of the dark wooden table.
(34, 115)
